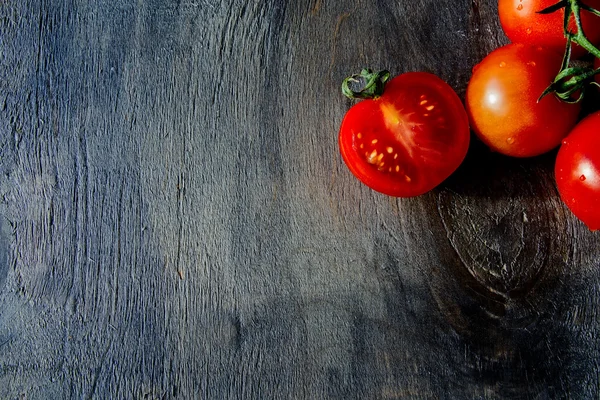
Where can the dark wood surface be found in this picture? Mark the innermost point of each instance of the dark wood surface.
(176, 221)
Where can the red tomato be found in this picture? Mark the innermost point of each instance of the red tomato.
(522, 24)
(502, 101)
(410, 139)
(577, 171)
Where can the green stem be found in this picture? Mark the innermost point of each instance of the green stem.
(579, 37)
(366, 85)
(572, 80)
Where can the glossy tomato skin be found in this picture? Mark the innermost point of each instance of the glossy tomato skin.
(502, 101)
(577, 171)
(410, 139)
(522, 23)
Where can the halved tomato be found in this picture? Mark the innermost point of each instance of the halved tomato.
(410, 139)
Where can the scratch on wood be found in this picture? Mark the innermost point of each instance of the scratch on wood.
(316, 8)
(336, 32)
(392, 393)
(98, 372)
(5, 342)
(180, 195)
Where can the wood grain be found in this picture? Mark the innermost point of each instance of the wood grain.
(176, 222)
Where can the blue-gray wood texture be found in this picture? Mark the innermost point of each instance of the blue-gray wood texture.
(176, 221)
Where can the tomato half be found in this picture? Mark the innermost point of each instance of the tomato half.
(522, 23)
(502, 101)
(410, 139)
(577, 171)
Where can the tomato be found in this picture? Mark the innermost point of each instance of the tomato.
(577, 171)
(522, 23)
(410, 139)
(502, 101)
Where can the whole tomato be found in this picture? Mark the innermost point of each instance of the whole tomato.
(407, 140)
(522, 23)
(577, 171)
(502, 101)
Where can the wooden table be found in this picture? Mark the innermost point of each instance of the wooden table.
(176, 221)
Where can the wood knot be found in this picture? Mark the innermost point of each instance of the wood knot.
(506, 243)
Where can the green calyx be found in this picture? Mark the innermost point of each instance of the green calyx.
(570, 83)
(365, 85)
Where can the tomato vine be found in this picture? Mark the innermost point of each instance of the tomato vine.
(570, 83)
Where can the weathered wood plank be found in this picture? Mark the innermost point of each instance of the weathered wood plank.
(176, 221)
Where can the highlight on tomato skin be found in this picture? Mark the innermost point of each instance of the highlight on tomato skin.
(577, 171)
(522, 23)
(502, 101)
(410, 139)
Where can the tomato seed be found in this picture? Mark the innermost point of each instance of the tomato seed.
(371, 157)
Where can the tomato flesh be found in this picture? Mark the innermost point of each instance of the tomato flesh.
(410, 139)
(522, 23)
(502, 101)
(577, 171)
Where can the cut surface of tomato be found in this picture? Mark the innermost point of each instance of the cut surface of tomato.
(410, 139)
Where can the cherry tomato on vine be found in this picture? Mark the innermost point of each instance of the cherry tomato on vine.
(577, 171)
(502, 101)
(407, 140)
(522, 23)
